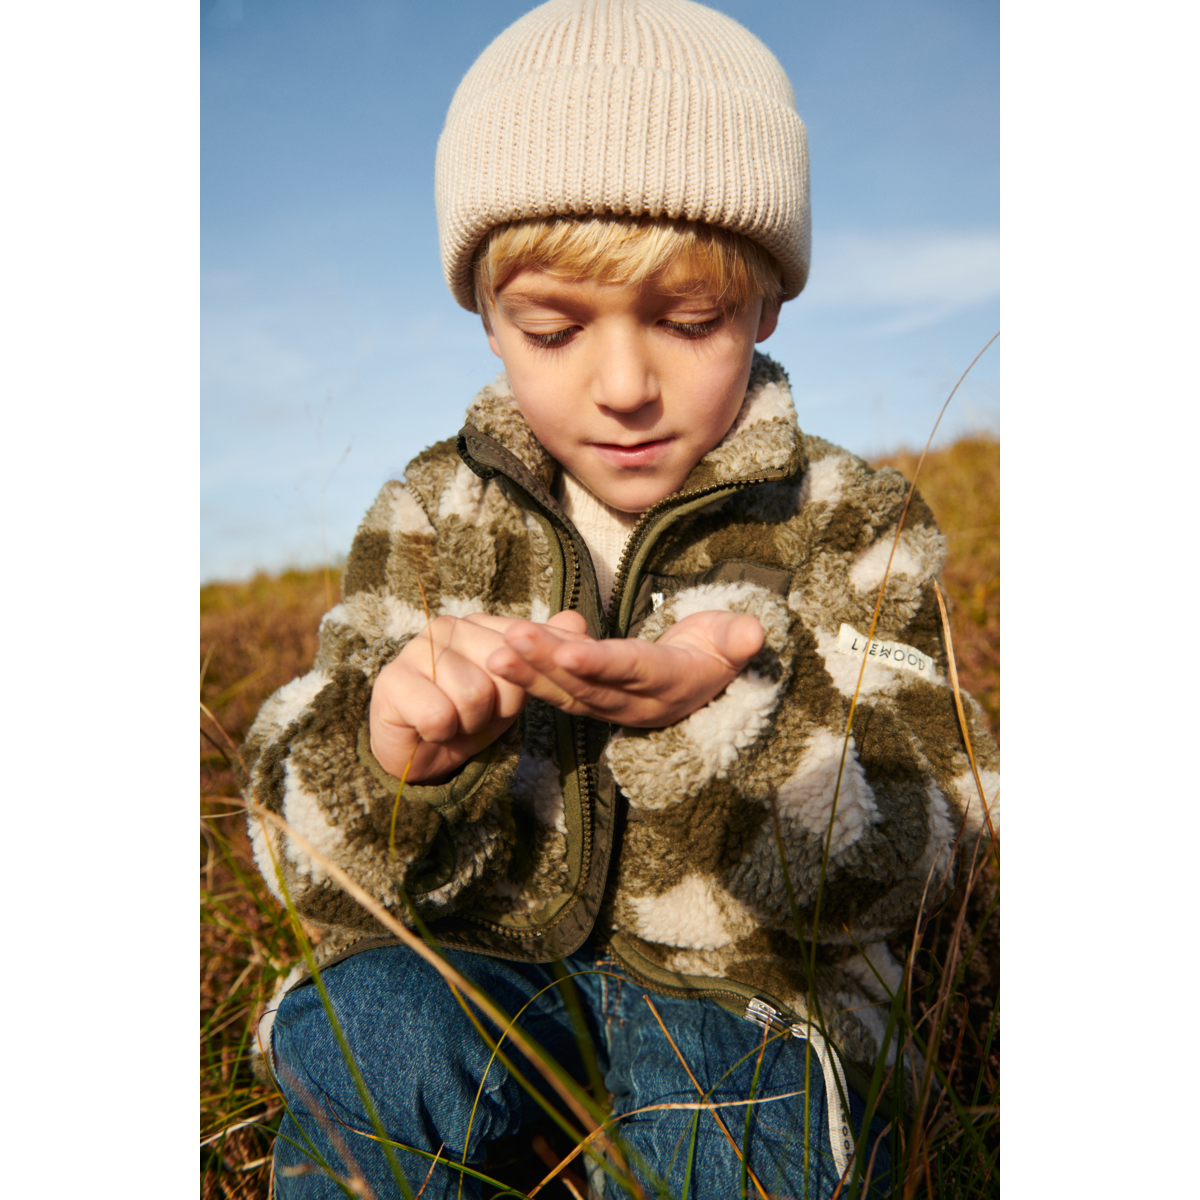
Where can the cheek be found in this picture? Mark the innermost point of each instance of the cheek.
(735, 377)
(728, 391)
(543, 415)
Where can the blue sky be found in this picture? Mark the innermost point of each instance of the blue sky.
(331, 350)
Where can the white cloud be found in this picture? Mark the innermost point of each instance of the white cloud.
(904, 280)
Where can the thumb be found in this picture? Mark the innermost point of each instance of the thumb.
(568, 621)
(739, 639)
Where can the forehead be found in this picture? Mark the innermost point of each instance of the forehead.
(535, 288)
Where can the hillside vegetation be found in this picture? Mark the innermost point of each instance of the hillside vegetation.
(257, 635)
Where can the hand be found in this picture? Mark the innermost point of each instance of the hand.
(625, 680)
(437, 710)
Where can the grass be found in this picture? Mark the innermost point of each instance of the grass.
(257, 635)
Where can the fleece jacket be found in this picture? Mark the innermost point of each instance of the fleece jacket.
(764, 846)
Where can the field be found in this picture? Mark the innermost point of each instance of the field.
(257, 635)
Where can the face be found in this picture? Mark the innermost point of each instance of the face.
(625, 386)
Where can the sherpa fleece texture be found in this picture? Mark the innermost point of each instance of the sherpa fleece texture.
(513, 855)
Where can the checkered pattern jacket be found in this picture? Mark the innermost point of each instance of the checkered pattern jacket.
(763, 846)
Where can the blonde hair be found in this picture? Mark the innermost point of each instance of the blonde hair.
(629, 250)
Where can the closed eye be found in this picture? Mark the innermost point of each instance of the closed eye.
(688, 329)
(551, 341)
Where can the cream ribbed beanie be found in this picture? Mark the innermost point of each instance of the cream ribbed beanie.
(639, 107)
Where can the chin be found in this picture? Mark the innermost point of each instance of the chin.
(630, 500)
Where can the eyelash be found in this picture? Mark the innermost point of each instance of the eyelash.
(551, 341)
(560, 337)
(693, 331)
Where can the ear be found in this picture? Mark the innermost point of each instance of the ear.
(491, 337)
(768, 320)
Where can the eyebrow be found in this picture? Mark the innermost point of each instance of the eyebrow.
(549, 299)
(556, 300)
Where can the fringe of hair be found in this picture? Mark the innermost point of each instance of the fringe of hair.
(683, 257)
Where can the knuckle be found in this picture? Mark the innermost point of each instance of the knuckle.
(475, 694)
(439, 727)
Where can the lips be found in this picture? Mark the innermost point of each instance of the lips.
(640, 454)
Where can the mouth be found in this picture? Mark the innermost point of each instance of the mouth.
(639, 454)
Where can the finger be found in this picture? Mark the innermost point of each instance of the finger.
(472, 638)
(512, 664)
(594, 671)
(565, 690)
(536, 644)
(400, 701)
(471, 692)
(395, 753)
(569, 621)
(413, 702)
(614, 662)
(540, 639)
(527, 660)
(530, 660)
(488, 621)
(733, 638)
(475, 641)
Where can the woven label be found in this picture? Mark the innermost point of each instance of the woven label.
(891, 654)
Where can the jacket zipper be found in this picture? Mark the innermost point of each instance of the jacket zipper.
(583, 774)
(635, 540)
(584, 771)
(582, 766)
(608, 621)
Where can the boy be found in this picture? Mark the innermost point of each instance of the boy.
(623, 736)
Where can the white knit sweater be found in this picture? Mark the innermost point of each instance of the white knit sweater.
(604, 529)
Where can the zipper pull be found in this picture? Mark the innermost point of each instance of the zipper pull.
(841, 1136)
(764, 1015)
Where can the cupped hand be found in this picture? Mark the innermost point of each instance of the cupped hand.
(625, 680)
(431, 711)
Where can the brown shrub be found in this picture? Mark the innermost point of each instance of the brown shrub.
(961, 484)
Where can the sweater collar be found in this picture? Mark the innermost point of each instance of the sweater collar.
(763, 442)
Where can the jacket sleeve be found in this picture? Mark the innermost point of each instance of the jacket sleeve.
(771, 792)
(309, 757)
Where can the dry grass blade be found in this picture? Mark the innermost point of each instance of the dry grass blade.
(204, 665)
(408, 765)
(671, 1106)
(716, 1115)
(428, 622)
(250, 966)
(923, 1134)
(575, 1192)
(410, 939)
(429, 1174)
(216, 1137)
(962, 716)
(396, 805)
(496, 1054)
(912, 487)
(329, 1124)
(557, 1168)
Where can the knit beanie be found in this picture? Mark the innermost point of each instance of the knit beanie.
(660, 108)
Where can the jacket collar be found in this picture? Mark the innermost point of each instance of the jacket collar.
(764, 441)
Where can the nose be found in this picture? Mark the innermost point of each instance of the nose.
(624, 378)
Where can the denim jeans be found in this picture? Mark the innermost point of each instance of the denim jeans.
(422, 1060)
